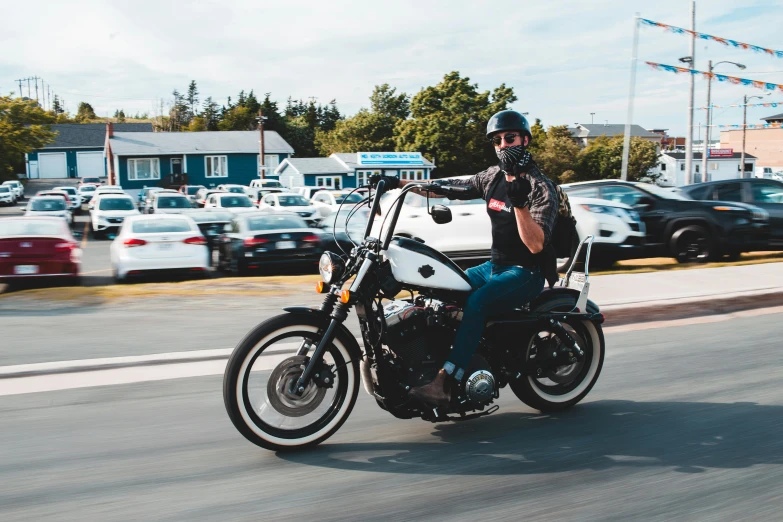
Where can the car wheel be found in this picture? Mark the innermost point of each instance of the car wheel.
(692, 244)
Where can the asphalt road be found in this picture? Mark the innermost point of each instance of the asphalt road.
(684, 424)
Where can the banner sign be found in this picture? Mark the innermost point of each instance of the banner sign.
(720, 153)
(724, 41)
(720, 77)
(389, 158)
(770, 104)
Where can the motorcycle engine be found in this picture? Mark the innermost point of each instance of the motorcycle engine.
(419, 335)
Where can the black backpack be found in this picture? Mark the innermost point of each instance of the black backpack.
(564, 233)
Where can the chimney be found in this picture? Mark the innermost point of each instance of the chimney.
(109, 129)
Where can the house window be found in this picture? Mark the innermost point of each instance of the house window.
(271, 162)
(330, 182)
(412, 175)
(216, 166)
(143, 169)
(697, 169)
(714, 166)
(363, 176)
(682, 166)
(663, 167)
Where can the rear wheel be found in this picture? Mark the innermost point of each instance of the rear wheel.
(258, 386)
(692, 244)
(563, 386)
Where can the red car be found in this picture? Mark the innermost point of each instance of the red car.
(32, 247)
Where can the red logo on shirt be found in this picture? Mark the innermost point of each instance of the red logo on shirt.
(498, 205)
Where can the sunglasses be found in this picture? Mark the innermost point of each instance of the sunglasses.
(497, 140)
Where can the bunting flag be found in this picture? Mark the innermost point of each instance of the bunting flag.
(770, 104)
(750, 126)
(720, 77)
(724, 41)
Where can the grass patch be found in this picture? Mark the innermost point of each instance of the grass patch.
(658, 264)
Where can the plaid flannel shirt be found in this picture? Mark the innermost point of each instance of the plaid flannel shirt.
(543, 196)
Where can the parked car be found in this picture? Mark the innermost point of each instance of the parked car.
(156, 243)
(289, 202)
(90, 181)
(59, 194)
(234, 189)
(763, 193)
(86, 192)
(52, 206)
(329, 201)
(201, 196)
(266, 238)
(109, 211)
(16, 187)
(682, 228)
(212, 224)
(107, 189)
(190, 190)
(306, 192)
(165, 202)
(234, 203)
(38, 247)
(7, 196)
(257, 194)
(75, 204)
(145, 198)
(339, 236)
(266, 183)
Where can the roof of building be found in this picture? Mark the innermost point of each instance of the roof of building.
(697, 156)
(775, 117)
(125, 143)
(315, 166)
(350, 159)
(585, 130)
(76, 135)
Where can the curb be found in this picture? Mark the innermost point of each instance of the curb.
(616, 315)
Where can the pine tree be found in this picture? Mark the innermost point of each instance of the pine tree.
(192, 97)
(211, 114)
(57, 107)
(121, 116)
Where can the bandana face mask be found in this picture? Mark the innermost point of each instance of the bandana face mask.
(512, 158)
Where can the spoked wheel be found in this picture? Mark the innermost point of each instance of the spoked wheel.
(692, 244)
(259, 385)
(561, 387)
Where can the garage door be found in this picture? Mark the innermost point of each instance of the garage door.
(52, 165)
(89, 165)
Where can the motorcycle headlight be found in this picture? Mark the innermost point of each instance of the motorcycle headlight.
(331, 267)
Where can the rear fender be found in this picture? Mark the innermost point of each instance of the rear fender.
(560, 295)
(322, 319)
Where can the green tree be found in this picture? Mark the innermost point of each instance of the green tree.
(385, 100)
(197, 124)
(448, 124)
(238, 117)
(210, 114)
(85, 113)
(273, 120)
(192, 97)
(557, 153)
(300, 136)
(57, 107)
(538, 141)
(602, 159)
(23, 128)
(121, 116)
(365, 131)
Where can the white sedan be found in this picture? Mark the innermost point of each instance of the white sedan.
(290, 202)
(159, 243)
(53, 206)
(328, 201)
(234, 203)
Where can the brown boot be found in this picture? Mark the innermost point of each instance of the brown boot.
(436, 392)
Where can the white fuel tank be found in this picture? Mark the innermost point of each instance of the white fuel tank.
(418, 264)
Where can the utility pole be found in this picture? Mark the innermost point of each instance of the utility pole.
(689, 136)
(35, 78)
(21, 94)
(706, 150)
(49, 95)
(28, 87)
(261, 162)
(631, 89)
(591, 117)
(744, 131)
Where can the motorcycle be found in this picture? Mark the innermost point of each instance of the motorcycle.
(408, 298)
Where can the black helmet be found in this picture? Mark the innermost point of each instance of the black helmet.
(507, 121)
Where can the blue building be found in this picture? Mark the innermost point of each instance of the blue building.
(349, 170)
(77, 151)
(140, 159)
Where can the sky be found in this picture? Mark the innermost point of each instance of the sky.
(564, 59)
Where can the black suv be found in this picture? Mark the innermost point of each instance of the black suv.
(763, 193)
(685, 229)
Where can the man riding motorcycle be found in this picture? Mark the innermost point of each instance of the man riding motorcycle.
(522, 205)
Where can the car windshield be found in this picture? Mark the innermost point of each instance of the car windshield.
(173, 202)
(235, 201)
(91, 180)
(4, 189)
(347, 198)
(292, 201)
(87, 188)
(116, 204)
(154, 226)
(211, 217)
(48, 204)
(19, 227)
(660, 191)
(273, 221)
(236, 190)
(193, 189)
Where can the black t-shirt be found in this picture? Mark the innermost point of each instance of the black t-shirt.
(507, 247)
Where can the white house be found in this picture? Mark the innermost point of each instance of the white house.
(722, 164)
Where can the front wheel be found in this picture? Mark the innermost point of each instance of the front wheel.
(564, 386)
(260, 374)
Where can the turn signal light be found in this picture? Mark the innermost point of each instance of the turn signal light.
(345, 296)
(321, 287)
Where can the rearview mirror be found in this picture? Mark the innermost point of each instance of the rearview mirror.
(441, 214)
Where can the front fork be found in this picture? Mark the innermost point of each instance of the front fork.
(338, 315)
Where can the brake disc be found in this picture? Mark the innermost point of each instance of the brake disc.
(281, 383)
(563, 374)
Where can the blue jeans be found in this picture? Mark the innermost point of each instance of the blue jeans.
(496, 289)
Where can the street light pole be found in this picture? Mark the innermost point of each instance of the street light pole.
(591, 117)
(745, 129)
(689, 136)
(708, 129)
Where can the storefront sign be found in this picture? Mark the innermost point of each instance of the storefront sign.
(721, 153)
(389, 158)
